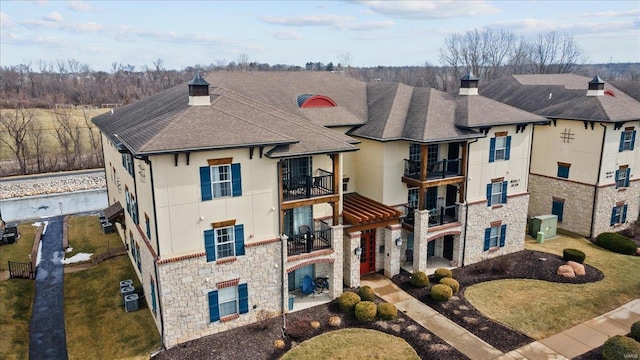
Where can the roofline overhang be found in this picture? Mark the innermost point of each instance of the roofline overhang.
(270, 155)
(594, 120)
(539, 122)
(402, 138)
(183, 150)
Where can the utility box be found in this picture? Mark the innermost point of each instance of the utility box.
(547, 224)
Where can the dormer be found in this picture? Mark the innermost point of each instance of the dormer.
(596, 87)
(198, 91)
(469, 84)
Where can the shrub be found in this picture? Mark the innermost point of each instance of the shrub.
(315, 325)
(300, 329)
(501, 264)
(573, 255)
(620, 347)
(635, 330)
(263, 316)
(366, 293)
(441, 292)
(419, 279)
(366, 311)
(616, 243)
(348, 301)
(335, 321)
(441, 273)
(387, 311)
(279, 344)
(452, 283)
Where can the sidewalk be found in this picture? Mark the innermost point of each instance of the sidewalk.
(570, 343)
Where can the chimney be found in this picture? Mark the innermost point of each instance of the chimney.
(469, 84)
(198, 91)
(596, 87)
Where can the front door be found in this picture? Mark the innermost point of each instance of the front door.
(453, 156)
(368, 256)
(431, 249)
(447, 250)
(450, 200)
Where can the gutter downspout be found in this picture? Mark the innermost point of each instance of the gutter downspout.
(466, 203)
(155, 263)
(283, 240)
(595, 188)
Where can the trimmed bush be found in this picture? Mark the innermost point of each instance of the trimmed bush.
(315, 325)
(278, 344)
(366, 311)
(366, 293)
(452, 283)
(635, 330)
(387, 311)
(616, 243)
(334, 321)
(573, 255)
(441, 292)
(620, 347)
(419, 279)
(441, 273)
(348, 301)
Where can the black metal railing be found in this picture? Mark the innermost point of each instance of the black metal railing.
(435, 170)
(304, 187)
(409, 215)
(20, 270)
(310, 242)
(443, 215)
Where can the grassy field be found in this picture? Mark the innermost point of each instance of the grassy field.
(540, 309)
(21, 249)
(85, 236)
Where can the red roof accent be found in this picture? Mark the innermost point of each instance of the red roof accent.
(317, 101)
(610, 93)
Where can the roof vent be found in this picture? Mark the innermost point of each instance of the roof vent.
(596, 87)
(198, 91)
(306, 101)
(469, 84)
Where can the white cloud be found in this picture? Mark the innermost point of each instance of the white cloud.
(632, 12)
(91, 27)
(6, 22)
(286, 35)
(536, 26)
(79, 6)
(366, 26)
(307, 20)
(417, 10)
(53, 17)
(128, 33)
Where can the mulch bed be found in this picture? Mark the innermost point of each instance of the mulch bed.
(256, 341)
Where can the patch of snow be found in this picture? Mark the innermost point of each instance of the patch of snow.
(39, 257)
(79, 257)
(69, 249)
(38, 223)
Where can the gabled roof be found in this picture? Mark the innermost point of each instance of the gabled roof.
(562, 96)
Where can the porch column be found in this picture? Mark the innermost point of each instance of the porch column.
(351, 267)
(284, 293)
(420, 232)
(335, 282)
(392, 251)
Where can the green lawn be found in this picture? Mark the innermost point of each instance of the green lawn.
(540, 309)
(85, 236)
(21, 249)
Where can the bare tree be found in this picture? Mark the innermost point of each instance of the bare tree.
(15, 124)
(243, 62)
(37, 143)
(96, 157)
(68, 135)
(556, 52)
(345, 59)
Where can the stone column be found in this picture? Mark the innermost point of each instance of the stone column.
(336, 280)
(392, 251)
(351, 261)
(284, 292)
(420, 232)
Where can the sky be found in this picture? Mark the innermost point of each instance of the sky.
(371, 33)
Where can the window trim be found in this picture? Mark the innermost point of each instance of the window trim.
(503, 191)
(627, 144)
(622, 181)
(493, 148)
(562, 166)
(501, 235)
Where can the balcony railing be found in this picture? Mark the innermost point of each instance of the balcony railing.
(304, 187)
(436, 170)
(437, 216)
(310, 242)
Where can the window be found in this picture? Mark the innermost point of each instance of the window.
(412, 198)
(227, 301)
(218, 181)
(147, 225)
(622, 177)
(497, 192)
(627, 139)
(296, 217)
(431, 198)
(619, 214)
(557, 208)
(152, 286)
(432, 154)
(138, 260)
(563, 170)
(495, 236)
(500, 148)
(127, 162)
(224, 242)
(414, 152)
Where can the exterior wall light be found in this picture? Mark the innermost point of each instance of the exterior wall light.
(358, 251)
(399, 242)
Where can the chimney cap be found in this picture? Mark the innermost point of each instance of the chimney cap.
(469, 77)
(198, 80)
(596, 80)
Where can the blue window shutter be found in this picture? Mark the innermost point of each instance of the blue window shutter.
(243, 297)
(621, 147)
(624, 213)
(210, 244)
(626, 180)
(489, 187)
(613, 216)
(507, 151)
(205, 183)
(557, 208)
(505, 184)
(633, 140)
(492, 150)
(239, 239)
(503, 234)
(153, 297)
(487, 238)
(214, 312)
(236, 179)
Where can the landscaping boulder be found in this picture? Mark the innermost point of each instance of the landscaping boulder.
(578, 268)
(566, 271)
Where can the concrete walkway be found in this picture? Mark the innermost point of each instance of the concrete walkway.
(46, 330)
(570, 343)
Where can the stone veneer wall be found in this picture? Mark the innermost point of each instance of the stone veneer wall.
(578, 206)
(147, 260)
(607, 198)
(351, 263)
(513, 214)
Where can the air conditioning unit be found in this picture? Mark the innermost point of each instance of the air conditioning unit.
(131, 303)
(127, 290)
(125, 283)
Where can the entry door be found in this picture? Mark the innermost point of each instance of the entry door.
(368, 257)
(447, 250)
(452, 195)
(453, 156)
(431, 248)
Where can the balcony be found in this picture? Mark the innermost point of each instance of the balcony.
(309, 242)
(436, 170)
(437, 216)
(305, 187)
